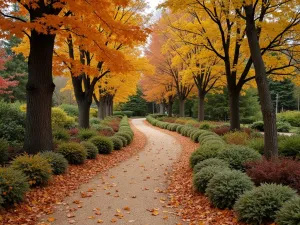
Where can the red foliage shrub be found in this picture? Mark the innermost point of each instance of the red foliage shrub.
(114, 124)
(221, 130)
(106, 133)
(247, 130)
(282, 171)
(73, 131)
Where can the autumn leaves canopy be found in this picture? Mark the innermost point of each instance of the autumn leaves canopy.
(92, 42)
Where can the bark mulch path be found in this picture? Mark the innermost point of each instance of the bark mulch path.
(41, 201)
(193, 207)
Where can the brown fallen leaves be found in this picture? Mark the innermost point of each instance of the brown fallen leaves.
(41, 200)
(193, 207)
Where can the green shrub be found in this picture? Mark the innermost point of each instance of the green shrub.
(261, 204)
(85, 134)
(210, 162)
(36, 168)
(205, 126)
(60, 119)
(3, 151)
(125, 135)
(293, 117)
(71, 110)
(123, 139)
(12, 122)
(203, 153)
(91, 149)
(283, 126)
(57, 161)
(117, 142)
(13, 185)
(103, 144)
(290, 146)
(226, 187)
(204, 134)
(201, 178)
(237, 156)
(213, 138)
(257, 144)
(94, 120)
(178, 129)
(61, 134)
(289, 214)
(258, 125)
(73, 152)
(196, 135)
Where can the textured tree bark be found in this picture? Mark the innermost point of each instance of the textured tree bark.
(39, 89)
(84, 113)
(161, 108)
(181, 107)
(201, 107)
(269, 115)
(170, 106)
(234, 104)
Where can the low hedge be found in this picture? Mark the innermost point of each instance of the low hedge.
(210, 162)
(203, 153)
(91, 149)
(73, 152)
(57, 161)
(103, 144)
(117, 142)
(260, 205)
(35, 167)
(226, 187)
(289, 212)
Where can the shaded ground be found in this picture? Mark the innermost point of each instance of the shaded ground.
(130, 193)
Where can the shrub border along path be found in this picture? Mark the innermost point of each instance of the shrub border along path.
(42, 200)
(192, 206)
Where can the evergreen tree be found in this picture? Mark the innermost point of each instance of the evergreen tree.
(136, 104)
(285, 91)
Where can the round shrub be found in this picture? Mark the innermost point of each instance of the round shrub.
(85, 134)
(124, 140)
(91, 149)
(209, 137)
(283, 126)
(204, 126)
(94, 120)
(237, 156)
(210, 162)
(57, 161)
(35, 167)
(258, 125)
(103, 144)
(118, 143)
(73, 152)
(178, 129)
(201, 178)
(71, 110)
(257, 144)
(261, 204)
(289, 214)
(290, 146)
(226, 187)
(61, 134)
(13, 185)
(125, 135)
(203, 153)
(3, 151)
(59, 118)
(204, 134)
(12, 122)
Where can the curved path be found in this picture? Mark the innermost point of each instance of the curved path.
(129, 193)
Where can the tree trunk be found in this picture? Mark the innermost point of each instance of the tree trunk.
(84, 114)
(39, 89)
(170, 107)
(181, 108)
(100, 106)
(234, 104)
(269, 115)
(201, 97)
(161, 108)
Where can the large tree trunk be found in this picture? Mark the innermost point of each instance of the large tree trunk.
(234, 104)
(170, 107)
(39, 91)
(84, 113)
(181, 107)
(201, 97)
(161, 108)
(269, 115)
